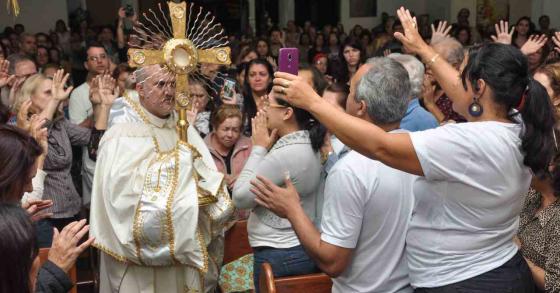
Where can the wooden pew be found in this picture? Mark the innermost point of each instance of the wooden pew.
(313, 283)
(236, 242)
(44, 256)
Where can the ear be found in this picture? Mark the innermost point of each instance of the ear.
(86, 66)
(480, 87)
(140, 90)
(289, 113)
(362, 109)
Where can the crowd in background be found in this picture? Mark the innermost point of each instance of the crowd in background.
(32, 80)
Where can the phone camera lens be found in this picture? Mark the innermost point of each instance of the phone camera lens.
(290, 57)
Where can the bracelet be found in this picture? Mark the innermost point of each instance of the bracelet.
(433, 60)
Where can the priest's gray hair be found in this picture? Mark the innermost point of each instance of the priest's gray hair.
(385, 88)
(415, 70)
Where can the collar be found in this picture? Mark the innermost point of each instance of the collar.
(546, 214)
(297, 137)
(412, 104)
(242, 143)
(144, 115)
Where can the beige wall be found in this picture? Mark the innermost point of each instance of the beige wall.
(389, 6)
(36, 15)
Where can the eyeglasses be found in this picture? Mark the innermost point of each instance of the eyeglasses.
(97, 58)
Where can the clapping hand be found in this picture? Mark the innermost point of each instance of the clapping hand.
(65, 249)
(39, 132)
(556, 40)
(502, 35)
(534, 44)
(36, 209)
(192, 113)
(108, 90)
(57, 89)
(441, 32)
(261, 136)
(5, 78)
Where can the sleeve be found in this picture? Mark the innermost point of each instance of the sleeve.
(343, 208)
(258, 163)
(38, 187)
(444, 152)
(93, 144)
(52, 279)
(78, 135)
(77, 109)
(552, 265)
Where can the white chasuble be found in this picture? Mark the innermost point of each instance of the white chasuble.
(144, 209)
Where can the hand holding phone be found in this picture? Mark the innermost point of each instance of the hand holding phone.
(228, 90)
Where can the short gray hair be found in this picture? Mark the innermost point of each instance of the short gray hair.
(415, 70)
(451, 50)
(15, 59)
(385, 88)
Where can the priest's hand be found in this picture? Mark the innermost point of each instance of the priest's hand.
(65, 249)
(279, 200)
(261, 136)
(57, 89)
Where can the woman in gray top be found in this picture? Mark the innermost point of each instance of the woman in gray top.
(294, 154)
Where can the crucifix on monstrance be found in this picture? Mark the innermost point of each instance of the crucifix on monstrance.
(190, 43)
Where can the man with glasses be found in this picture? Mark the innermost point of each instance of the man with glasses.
(80, 108)
(22, 67)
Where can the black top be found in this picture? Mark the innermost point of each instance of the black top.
(227, 160)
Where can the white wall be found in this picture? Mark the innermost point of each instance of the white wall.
(389, 6)
(36, 15)
(548, 7)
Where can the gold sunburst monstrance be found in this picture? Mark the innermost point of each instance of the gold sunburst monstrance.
(180, 56)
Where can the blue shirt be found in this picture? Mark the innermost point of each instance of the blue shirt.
(417, 118)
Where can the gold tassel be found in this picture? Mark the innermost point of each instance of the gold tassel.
(14, 6)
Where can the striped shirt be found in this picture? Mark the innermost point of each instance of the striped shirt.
(58, 183)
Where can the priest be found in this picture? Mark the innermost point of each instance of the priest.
(154, 232)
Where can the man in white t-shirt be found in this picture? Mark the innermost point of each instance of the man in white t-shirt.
(368, 205)
(80, 109)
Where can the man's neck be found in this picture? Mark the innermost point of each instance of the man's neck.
(387, 127)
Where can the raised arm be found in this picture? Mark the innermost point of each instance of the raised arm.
(395, 150)
(446, 75)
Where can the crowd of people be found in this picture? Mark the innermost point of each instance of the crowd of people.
(413, 156)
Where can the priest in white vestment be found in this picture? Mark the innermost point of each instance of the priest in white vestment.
(145, 214)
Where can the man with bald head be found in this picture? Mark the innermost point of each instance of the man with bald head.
(367, 204)
(145, 214)
(435, 100)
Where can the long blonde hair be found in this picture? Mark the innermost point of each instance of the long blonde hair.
(28, 89)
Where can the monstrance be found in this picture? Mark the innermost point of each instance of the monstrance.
(180, 54)
(179, 50)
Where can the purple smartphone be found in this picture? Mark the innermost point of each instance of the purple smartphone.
(288, 60)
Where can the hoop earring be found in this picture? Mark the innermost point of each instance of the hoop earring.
(475, 109)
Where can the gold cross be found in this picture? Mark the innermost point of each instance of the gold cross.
(181, 57)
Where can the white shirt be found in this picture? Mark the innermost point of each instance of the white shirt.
(79, 105)
(79, 109)
(367, 208)
(468, 203)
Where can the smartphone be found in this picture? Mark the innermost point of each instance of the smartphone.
(288, 60)
(229, 89)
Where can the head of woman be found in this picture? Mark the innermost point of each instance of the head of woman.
(523, 26)
(320, 61)
(18, 249)
(337, 94)
(227, 122)
(352, 53)
(313, 77)
(319, 41)
(123, 74)
(60, 26)
(305, 40)
(463, 35)
(199, 95)
(248, 55)
(258, 82)
(549, 77)
(537, 59)
(285, 118)
(365, 39)
(333, 39)
(54, 55)
(499, 76)
(263, 48)
(42, 56)
(37, 88)
(18, 156)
